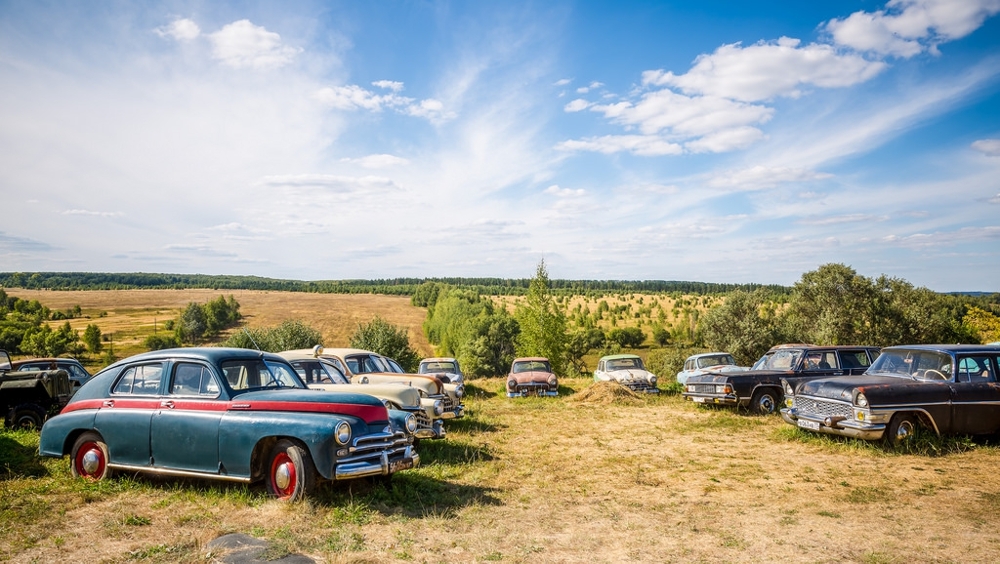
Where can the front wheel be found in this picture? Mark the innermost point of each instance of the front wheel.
(901, 429)
(291, 475)
(89, 458)
(764, 402)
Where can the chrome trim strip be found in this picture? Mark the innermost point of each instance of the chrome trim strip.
(179, 473)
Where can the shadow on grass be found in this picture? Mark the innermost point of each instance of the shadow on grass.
(410, 494)
(924, 443)
(18, 459)
(451, 452)
(467, 424)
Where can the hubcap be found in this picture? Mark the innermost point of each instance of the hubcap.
(766, 404)
(904, 431)
(282, 477)
(91, 461)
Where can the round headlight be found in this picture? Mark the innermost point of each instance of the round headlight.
(459, 391)
(343, 432)
(411, 423)
(652, 379)
(438, 407)
(511, 384)
(860, 400)
(553, 381)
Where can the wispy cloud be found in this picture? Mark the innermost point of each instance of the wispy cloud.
(354, 97)
(93, 213)
(181, 29)
(377, 161)
(989, 147)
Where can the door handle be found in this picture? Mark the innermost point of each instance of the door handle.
(168, 404)
(108, 403)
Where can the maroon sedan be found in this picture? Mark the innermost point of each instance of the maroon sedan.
(531, 376)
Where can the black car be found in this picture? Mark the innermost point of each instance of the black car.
(760, 389)
(948, 389)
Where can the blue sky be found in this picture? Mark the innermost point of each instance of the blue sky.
(712, 141)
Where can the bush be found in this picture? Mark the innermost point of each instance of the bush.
(386, 339)
(291, 334)
(628, 337)
(160, 342)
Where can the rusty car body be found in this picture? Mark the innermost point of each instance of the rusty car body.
(531, 376)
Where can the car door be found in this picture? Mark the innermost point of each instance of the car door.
(184, 433)
(975, 395)
(124, 416)
(854, 361)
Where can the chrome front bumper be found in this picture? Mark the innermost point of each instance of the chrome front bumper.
(727, 399)
(532, 389)
(387, 463)
(833, 425)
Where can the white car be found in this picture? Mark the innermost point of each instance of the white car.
(708, 362)
(446, 369)
(627, 370)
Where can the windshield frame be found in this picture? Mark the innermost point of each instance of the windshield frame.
(914, 364)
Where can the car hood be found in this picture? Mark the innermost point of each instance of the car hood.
(841, 387)
(723, 377)
(532, 377)
(630, 374)
(400, 394)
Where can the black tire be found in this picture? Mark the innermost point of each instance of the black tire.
(291, 475)
(26, 416)
(764, 401)
(901, 429)
(89, 457)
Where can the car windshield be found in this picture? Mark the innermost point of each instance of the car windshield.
(917, 364)
(393, 366)
(784, 359)
(715, 360)
(251, 374)
(429, 367)
(364, 364)
(624, 363)
(531, 366)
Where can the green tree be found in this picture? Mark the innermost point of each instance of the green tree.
(743, 325)
(160, 342)
(290, 334)
(92, 338)
(192, 325)
(384, 338)
(982, 324)
(627, 337)
(580, 344)
(542, 322)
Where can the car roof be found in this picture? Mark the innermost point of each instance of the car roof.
(699, 355)
(438, 359)
(212, 354)
(823, 347)
(45, 359)
(617, 356)
(341, 352)
(531, 359)
(948, 348)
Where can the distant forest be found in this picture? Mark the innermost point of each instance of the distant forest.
(392, 286)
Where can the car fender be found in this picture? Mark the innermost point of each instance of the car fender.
(59, 432)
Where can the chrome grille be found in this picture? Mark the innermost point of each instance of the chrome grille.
(702, 388)
(822, 408)
(423, 422)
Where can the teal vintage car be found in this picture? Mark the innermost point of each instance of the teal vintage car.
(230, 414)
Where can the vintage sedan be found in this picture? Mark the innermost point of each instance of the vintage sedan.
(531, 376)
(627, 370)
(948, 389)
(229, 414)
(698, 364)
(760, 389)
(445, 368)
(322, 374)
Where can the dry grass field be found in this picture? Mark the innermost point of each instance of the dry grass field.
(567, 479)
(132, 315)
(548, 480)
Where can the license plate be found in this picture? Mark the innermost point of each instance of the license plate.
(398, 465)
(698, 400)
(811, 425)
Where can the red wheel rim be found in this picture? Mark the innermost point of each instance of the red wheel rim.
(90, 460)
(283, 477)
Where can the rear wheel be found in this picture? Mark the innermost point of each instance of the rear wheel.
(901, 429)
(290, 471)
(89, 458)
(764, 401)
(26, 416)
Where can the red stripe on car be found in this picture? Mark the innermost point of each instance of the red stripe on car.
(368, 413)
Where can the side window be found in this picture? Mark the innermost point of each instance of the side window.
(340, 366)
(854, 359)
(142, 380)
(193, 380)
(976, 369)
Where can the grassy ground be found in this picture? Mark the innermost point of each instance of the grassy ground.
(612, 479)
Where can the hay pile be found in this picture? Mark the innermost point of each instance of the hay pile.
(607, 393)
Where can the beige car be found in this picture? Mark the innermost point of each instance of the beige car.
(321, 373)
(366, 367)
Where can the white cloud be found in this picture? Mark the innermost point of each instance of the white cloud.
(389, 85)
(242, 44)
(576, 105)
(646, 145)
(562, 82)
(725, 140)
(759, 177)
(181, 29)
(684, 116)
(766, 70)
(378, 161)
(333, 183)
(995, 199)
(989, 147)
(94, 213)
(909, 27)
(839, 219)
(946, 238)
(352, 97)
(555, 190)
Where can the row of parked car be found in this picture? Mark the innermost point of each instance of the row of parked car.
(865, 392)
